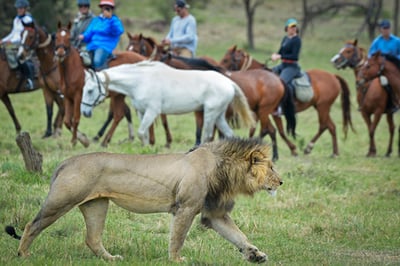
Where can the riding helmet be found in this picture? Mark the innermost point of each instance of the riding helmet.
(21, 4)
(83, 2)
(107, 3)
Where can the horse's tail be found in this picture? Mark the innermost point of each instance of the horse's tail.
(346, 106)
(11, 231)
(289, 110)
(241, 107)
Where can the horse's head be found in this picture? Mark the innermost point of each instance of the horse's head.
(350, 55)
(140, 44)
(63, 42)
(233, 59)
(29, 42)
(372, 68)
(94, 92)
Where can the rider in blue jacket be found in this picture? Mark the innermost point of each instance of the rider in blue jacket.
(103, 34)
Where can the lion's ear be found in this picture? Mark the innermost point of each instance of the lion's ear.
(256, 157)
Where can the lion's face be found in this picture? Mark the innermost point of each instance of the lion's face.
(263, 173)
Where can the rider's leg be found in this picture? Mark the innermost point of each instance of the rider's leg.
(100, 57)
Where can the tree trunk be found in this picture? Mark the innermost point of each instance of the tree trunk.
(32, 158)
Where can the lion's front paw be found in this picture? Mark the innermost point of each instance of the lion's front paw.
(252, 254)
(114, 258)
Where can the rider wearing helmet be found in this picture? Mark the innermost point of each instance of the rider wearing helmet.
(13, 39)
(103, 34)
(81, 22)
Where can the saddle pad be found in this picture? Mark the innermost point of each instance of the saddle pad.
(303, 89)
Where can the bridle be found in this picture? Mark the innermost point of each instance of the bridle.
(99, 86)
(143, 48)
(240, 60)
(63, 46)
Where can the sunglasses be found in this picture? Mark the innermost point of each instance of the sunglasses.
(81, 6)
(106, 8)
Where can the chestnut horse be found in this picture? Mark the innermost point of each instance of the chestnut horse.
(11, 82)
(378, 65)
(72, 80)
(371, 96)
(326, 88)
(35, 39)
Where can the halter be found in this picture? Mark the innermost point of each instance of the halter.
(100, 85)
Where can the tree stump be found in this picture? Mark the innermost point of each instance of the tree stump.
(32, 158)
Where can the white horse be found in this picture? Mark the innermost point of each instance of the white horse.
(156, 88)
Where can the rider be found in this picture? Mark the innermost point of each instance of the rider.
(389, 45)
(103, 34)
(81, 22)
(13, 39)
(289, 55)
(182, 36)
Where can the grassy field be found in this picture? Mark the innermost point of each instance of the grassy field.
(330, 211)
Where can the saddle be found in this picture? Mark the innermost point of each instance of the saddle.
(302, 88)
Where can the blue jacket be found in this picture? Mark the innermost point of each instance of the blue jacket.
(103, 33)
(389, 47)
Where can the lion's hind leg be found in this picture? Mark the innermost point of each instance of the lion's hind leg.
(95, 212)
(46, 216)
(229, 230)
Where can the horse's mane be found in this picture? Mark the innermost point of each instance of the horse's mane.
(393, 59)
(198, 63)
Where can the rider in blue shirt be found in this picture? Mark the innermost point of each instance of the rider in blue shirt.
(103, 34)
(389, 45)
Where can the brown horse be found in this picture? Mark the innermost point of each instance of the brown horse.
(36, 39)
(11, 82)
(72, 80)
(326, 87)
(371, 96)
(378, 65)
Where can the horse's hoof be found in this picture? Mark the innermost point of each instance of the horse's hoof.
(96, 139)
(46, 135)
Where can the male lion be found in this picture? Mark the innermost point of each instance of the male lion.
(204, 181)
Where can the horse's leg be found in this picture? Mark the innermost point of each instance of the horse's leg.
(146, 120)
(117, 108)
(10, 109)
(391, 126)
(223, 126)
(372, 125)
(199, 126)
(48, 99)
(325, 122)
(104, 127)
(398, 143)
(209, 118)
(77, 135)
(58, 121)
(167, 131)
(266, 127)
(281, 131)
(128, 116)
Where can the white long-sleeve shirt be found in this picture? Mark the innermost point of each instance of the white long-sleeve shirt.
(15, 35)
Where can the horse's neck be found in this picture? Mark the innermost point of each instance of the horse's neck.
(361, 59)
(45, 51)
(392, 72)
(250, 63)
(72, 64)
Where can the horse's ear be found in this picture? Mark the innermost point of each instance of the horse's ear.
(129, 35)
(355, 42)
(234, 48)
(69, 25)
(140, 36)
(59, 25)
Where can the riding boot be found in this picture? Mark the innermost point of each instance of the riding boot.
(392, 102)
(27, 69)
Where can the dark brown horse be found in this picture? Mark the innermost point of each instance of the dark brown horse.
(36, 39)
(72, 80)
(371, 96)
(326, 87)
(378, 65)
(11, 81)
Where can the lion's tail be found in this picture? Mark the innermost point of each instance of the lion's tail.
(241, 107)
(11, 231)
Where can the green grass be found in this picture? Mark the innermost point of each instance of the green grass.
(342, 211)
